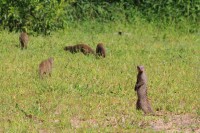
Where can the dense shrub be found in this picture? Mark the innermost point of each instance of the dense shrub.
(171, 10)
(40, 16)
(44, 16)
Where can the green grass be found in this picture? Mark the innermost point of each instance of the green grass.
(102, 90)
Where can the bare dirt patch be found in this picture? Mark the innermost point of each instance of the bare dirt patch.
(78, 123)
(177, 123)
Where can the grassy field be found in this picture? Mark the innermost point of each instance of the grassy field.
(86, 94)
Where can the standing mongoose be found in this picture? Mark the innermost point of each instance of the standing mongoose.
(23, 38)
(85, 49)
(45, 67)
(100, 50)
(141, 88)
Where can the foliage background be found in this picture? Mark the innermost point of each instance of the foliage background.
(44, 16)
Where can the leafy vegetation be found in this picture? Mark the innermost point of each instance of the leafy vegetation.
(36, 16)
(46, 16)
(89, 94)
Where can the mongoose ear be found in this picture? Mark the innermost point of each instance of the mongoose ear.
(140, 68)
(51, 59)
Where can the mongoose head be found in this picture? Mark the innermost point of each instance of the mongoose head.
(140, 68)
(51, 59)
(100, 44)
(67, 48)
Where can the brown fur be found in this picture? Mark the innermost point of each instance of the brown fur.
(100, 50)
(141, 88)
(23, 38)
(85, 49)
(45, 67)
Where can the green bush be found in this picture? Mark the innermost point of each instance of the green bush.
(171, 10)
(40, 16)
(44, 16)
(161, 10)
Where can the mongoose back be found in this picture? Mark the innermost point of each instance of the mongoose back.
(100, 50)
(85, 49)
(141, 88)
(23, 38)
(45, 67)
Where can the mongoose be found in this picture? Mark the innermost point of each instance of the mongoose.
(120, 33)
(23, 38)
(141, 88)
(85, 49)
(100, 50)
(45, 67)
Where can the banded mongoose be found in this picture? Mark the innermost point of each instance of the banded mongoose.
(141, 88)
(85, 49)
(100, 50)
(23, 38)
(45, 67)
